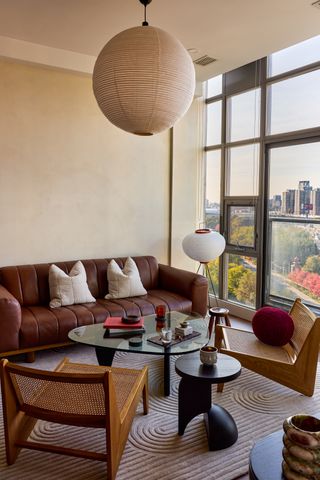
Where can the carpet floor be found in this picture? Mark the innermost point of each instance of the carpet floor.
(154, 450)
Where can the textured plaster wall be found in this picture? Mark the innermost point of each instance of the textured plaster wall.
(71, 184)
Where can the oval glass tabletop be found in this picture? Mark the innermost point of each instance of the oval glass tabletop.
(94, 335)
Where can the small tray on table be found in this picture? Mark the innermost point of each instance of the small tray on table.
(175, 338)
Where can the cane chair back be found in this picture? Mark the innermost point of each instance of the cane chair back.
(293, 365)
(74, 394)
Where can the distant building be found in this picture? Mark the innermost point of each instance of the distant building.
(315, 201)
(302, 198)
(275, 203)
(288, 201)
(303, 201)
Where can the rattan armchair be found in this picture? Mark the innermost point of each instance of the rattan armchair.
(294, 365)
(74, 394)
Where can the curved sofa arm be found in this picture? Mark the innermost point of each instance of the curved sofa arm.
(10, 321)
(188, 284)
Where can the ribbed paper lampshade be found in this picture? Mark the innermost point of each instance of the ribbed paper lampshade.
(144, 80)
(203, 245)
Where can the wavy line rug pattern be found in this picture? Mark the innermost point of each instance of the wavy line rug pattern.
(154, 450)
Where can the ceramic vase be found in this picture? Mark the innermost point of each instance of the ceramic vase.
(301, 450)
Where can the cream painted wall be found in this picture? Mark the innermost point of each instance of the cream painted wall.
(71, 184)
(188, 171)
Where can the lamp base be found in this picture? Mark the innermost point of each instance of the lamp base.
(208, 275)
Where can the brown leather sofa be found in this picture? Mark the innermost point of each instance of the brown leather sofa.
(28, 324)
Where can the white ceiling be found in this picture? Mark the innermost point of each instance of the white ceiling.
(235, 32)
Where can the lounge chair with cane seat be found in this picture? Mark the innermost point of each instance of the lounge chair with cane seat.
(74, 394)
(293, 365)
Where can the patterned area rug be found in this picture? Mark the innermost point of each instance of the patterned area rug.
(154, 450)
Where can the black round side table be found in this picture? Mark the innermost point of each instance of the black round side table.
(195, 397)
(266, 458)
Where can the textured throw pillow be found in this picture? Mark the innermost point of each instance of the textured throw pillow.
(273, 326)
(124, 283)
(69, 289)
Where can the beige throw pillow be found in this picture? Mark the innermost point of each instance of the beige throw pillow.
(69, 289)
(124, 283)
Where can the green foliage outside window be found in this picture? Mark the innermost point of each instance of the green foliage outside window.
(235, 274)
(292, 244)
(242, 236)
(312, 264)
(246, 291)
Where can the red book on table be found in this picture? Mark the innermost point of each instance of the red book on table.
(116, 322)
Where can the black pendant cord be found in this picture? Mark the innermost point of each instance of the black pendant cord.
(145, 3)
(145, 23)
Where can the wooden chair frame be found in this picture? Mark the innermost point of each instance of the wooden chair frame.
(298, 372)
(20, 415)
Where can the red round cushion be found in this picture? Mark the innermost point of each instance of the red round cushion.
(272, 326)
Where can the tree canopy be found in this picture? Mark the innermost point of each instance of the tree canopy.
(291, 242)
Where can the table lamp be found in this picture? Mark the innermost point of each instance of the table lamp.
(204, 245)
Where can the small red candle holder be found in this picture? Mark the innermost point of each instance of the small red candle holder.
(160, 311)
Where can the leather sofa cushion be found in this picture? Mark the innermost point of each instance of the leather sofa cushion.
(42, 326)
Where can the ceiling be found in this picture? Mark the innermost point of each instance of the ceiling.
(234, 32)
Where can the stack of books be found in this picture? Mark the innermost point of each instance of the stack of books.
(116, 327)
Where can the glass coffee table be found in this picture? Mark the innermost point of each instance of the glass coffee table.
(106, 347)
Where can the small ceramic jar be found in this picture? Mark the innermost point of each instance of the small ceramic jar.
(208, 355)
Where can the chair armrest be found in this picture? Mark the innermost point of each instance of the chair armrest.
(188, 284)
(10, 321)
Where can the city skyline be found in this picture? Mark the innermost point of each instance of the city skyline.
(288, 165)
(304, 200)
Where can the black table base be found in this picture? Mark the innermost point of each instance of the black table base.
(166, 372)
(105, 357)
(221, 429)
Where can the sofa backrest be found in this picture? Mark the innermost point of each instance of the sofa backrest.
(29, 284)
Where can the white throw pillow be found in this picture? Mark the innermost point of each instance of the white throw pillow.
(69, 289)
(124, 283)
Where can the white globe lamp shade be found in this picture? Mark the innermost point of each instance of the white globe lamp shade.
(204, 245)
(144, 80)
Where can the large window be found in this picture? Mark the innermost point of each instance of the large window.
(294, 221)
(263, 178)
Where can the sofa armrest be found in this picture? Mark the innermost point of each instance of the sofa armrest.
(10, 321)
(188, 284)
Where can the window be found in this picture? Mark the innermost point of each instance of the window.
(243, 115)
(241, 279)
(212, 206)
(243, 172)
(241, 226)
(303, 53)
(214, 123)
(214, 86)
(294, 222)
(294, 103)
(213, 176)
(263, 178)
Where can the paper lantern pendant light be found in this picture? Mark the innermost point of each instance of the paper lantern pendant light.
(144, 80)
